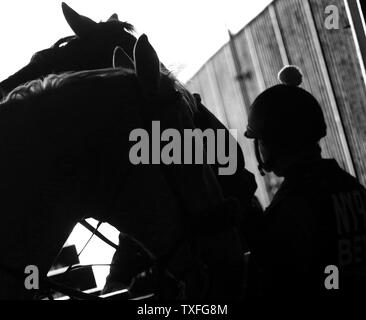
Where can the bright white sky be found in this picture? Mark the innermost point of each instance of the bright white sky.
(185, 34)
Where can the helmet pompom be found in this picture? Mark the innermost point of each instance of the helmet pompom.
(291, 76)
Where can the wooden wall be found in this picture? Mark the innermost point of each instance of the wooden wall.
(292, 31)
(346, 77)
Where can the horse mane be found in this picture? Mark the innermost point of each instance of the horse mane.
(54, 81)
(123, 24)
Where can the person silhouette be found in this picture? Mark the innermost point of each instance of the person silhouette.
(317, 219)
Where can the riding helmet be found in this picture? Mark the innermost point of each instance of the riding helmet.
(286, 113)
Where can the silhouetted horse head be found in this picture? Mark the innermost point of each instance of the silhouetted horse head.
(90, 48)
(65, 155)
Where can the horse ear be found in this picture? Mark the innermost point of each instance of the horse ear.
(147, 65)
(82, 26)
(121, 59)
(113, 17)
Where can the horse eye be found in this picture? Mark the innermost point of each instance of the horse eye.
(63, 42)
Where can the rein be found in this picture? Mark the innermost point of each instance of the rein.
(98, 234)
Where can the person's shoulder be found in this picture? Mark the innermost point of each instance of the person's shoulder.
(325, 177)
(342, 179)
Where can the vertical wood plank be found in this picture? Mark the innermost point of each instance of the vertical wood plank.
(346, 77)
(302, 51)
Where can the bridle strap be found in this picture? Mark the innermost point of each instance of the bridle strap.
(98, 234)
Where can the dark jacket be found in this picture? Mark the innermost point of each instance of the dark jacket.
(317, 219)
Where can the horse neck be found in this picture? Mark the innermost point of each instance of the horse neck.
(39, 207)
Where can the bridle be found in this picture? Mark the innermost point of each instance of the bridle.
(160, 265)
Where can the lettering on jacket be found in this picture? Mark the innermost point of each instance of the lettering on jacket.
(350, 214)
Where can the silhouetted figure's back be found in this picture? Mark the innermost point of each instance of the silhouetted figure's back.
(317, 219)
(316, 223)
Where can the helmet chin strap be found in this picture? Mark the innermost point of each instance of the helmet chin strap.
(262, 166)
(261, 170)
